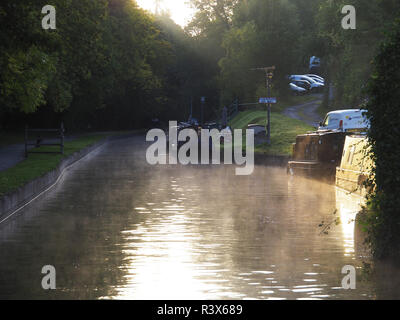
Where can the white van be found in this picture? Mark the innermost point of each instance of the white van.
(353, 120)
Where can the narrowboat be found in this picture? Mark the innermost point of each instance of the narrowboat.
(355, 166)
(317, 154)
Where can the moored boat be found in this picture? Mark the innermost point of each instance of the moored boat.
(355, 166)
(317, 154)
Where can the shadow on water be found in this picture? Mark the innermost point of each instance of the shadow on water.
(116, 227)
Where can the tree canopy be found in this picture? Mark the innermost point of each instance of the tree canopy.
(110, 64)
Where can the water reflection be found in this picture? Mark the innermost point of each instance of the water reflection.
(118, 228)
(348, 206)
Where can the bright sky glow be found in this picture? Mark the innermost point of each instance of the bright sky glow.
(179, 10)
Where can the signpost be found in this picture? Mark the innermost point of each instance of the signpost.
(269, 72)
(268, 100)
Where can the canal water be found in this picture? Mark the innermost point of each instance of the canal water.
(115, 227)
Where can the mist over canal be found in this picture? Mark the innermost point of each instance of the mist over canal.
(116, 227)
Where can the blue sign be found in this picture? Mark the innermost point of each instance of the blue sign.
(268, 100)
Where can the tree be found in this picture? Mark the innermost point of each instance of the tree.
(26, 67)
(384, 136)
(348, 53)
(264, 34)
(211, 14)
(105, 64)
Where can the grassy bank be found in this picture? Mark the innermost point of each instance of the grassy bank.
(283, 130)
(39, 164)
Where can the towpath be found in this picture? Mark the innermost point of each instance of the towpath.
(11, 155)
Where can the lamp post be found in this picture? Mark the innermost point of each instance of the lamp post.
(270, 75)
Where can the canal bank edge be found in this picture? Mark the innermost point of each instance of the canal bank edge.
(271, 160)
(13, 201)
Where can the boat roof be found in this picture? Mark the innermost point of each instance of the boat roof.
(321, 133)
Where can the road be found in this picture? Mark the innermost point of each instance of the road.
(11, 155)
(306, 112)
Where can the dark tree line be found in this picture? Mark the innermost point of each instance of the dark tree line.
(112, 65)
(109, 64)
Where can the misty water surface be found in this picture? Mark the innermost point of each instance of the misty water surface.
(115, 227)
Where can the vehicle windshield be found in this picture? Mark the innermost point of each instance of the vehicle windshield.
(325, 123)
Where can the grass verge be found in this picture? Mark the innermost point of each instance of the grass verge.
(36, 165)
(283, 131)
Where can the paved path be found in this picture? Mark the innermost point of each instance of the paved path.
(13, 154)
(306, 112)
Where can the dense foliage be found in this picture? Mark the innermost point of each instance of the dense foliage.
(109, 64)
(347, 53)
(286, 33)
(383, 111)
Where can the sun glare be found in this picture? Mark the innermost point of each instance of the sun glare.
(179, 10)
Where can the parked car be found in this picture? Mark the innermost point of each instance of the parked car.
(297, 90)
(353, 120)
(315, 85)
(316, 78)
(302, 84)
